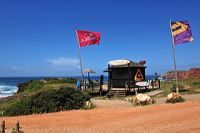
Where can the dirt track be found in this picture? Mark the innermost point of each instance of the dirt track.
(183, 117)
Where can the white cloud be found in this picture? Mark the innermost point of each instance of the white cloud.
(64, 63)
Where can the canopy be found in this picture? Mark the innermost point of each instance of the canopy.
(88, 70)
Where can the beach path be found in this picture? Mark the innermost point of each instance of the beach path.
(181, 117)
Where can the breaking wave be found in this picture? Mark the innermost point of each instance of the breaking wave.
(7, 90)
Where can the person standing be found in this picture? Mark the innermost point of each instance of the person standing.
(78, 85)
(156, 76)
(101, 84)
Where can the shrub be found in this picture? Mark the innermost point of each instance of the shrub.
(196, 84)
(61, 80)
(49, 101)
(23, 86)
(30, 86)
(35, 85)
(174, 98)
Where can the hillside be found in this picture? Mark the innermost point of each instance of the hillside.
(193, 72)
(33, 87)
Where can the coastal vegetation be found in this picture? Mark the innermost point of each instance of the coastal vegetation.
(43, 96)
(49, 101)
(186, 86)
(34, 86)
(57, 94)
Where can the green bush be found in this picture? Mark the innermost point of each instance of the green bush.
(35, 85)
(175, 100)
(23, 86)
(197, 84)
(30, 86)
(49, 101)
(61, 80)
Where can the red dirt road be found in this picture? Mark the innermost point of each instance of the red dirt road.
(165, 118)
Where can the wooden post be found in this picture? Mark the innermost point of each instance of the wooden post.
(129, 77)
(136, 90)
(101, 85)
(2, 130)
(175, 70)
(17, 127)
(152, 83)
(79, 55)
(109, 78)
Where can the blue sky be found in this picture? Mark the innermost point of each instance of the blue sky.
(37, 37)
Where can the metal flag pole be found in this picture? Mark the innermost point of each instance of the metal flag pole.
(176, 74)
(79, 55)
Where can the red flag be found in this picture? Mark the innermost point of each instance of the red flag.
(87, 37)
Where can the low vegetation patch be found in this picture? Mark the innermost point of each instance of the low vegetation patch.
(30, 86)
(60, 80)
(49, 101)
(180, 86)
(174, 98)
(34, 86)
(186, 86)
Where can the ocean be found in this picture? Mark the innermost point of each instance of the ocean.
(8, 85)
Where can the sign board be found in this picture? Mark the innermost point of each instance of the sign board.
(139, 76)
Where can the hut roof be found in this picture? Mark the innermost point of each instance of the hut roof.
(124, 63)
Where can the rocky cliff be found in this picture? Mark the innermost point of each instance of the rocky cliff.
(193, 72)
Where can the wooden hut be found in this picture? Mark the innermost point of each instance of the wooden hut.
(123, 72)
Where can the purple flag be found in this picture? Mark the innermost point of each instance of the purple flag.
(181, 32)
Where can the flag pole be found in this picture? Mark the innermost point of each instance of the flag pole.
(79, 55)
(176, 74)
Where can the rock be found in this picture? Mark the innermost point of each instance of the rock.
(174, 98)
(173, 95)
(88, 104)
(143, 99)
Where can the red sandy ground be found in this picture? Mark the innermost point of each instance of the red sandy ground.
(163, 118)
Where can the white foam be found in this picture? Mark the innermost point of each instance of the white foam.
(7, 90)
(7, 86)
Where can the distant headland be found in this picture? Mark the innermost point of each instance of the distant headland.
(193, 72)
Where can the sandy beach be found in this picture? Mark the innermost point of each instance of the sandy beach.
(113, 116)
